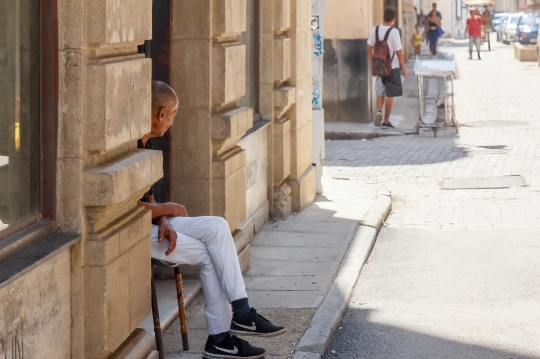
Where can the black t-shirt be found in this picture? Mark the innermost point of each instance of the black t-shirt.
(147, 146)
(431, 24)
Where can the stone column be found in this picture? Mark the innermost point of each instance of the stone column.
(104, 107)
(302, 177)
(208, 74)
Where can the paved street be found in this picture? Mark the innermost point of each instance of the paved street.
(454, 274)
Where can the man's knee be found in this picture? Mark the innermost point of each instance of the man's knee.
(220, 223)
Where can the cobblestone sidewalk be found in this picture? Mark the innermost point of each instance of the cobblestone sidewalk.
(497, 105)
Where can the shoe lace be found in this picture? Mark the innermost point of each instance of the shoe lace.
(240, 343)
(259, 317)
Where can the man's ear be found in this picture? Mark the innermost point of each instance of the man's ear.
(161, 113)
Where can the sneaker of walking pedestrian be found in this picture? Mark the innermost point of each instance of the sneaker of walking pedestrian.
(474, 29)
(385, 56)
(387, 126)
(377, 119)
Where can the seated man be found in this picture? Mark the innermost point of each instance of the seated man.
(207, 242)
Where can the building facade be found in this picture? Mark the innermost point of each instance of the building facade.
(76, 75)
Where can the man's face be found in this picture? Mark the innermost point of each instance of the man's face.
(163, 119)
(434, 6)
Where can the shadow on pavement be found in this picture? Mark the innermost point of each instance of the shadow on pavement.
(376, 341)
(423, 149)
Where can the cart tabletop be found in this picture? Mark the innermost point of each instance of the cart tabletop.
(434, 67)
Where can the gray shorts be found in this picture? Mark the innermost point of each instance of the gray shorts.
(389, 86)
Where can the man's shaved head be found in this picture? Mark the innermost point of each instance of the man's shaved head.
(163, 96)
(164, 108)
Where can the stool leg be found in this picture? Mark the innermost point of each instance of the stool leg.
(181, 308)
(155, 315)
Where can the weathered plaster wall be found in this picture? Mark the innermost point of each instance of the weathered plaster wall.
(257, 207)
(35, 320)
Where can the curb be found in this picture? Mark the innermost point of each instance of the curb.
(317, 337)
(357, 135)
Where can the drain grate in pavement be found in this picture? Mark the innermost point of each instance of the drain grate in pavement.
(483, 182)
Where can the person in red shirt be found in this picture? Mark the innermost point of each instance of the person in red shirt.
(474, 29)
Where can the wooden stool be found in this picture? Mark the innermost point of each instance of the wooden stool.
(181, 307)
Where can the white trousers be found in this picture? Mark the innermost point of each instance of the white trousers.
(207, 242)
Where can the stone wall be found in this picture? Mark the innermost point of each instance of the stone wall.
(209, 171)
(36, 316)
(104, 107)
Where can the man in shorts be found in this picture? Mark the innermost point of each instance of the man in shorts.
(388, 87)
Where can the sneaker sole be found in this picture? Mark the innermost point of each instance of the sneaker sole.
(252, 334)
(225, 356)
(377, 119)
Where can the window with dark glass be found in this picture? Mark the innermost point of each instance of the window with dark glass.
(19, 111)
(250, 38)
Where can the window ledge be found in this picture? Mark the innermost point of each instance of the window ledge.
(24, 262)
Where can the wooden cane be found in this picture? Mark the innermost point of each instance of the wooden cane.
(181, 307)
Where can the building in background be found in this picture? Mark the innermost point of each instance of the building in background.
(75, 76)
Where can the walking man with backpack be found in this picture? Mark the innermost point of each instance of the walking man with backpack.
(385, 55)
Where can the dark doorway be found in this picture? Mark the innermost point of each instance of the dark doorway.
(159, 50)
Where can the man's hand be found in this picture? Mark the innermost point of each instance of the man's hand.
(405, 73)
(166, 231)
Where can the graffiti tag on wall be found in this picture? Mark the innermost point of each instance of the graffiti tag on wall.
(317, 51)
(251, 172)
(11, 344)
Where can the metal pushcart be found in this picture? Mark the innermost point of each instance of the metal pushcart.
(435, 68)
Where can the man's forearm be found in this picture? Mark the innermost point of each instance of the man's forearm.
(158, 209)
(370, 55)
(401, 59)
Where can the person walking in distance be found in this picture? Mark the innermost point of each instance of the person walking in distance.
(434, 24)
(474, 29)
(385, 56)
(487, 23)
(417, 41)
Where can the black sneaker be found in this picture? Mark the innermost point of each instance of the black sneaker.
(255, 324)
(231, 347)
(387, 125)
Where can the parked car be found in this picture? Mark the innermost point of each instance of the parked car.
(498, 20)
(527, 29)
(508, 34)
